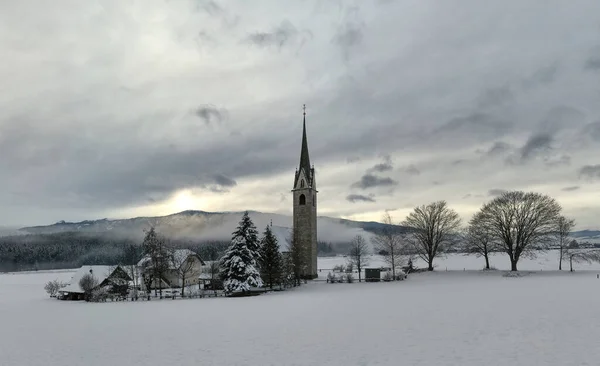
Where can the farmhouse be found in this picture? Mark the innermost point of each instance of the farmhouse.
(105, 276)
(183, 269)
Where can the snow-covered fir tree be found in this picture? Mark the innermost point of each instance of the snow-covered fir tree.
(270, 259)
(239, 267)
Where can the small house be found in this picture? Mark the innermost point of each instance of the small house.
(183, 265)
(106, 276)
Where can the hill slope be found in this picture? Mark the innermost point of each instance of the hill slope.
(208, 225)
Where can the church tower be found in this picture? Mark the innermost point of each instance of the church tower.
(305, 206)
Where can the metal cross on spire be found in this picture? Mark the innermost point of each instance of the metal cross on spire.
(304, 109)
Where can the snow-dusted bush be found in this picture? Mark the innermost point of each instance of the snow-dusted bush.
(388, 276)
(332, 278)
(52, 287)
(350, 277)
(339, 268)
(350, 267)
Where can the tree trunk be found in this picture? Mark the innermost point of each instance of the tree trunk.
(560, 258)
(571, 263)
(513, 265)
(430, 263)
(182, 286)
(487, 261)
(359, 274)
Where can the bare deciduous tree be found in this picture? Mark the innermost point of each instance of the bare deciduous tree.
(358, 251)
(582, 255)
(520, 222)
(184, 262)
(478, 240)
(389, 244)
(434, 229)
(563, 230)
(88, 283)
(159, 255)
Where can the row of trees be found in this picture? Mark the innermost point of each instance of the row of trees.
(516, 223)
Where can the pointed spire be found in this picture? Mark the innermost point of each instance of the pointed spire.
(304, 158)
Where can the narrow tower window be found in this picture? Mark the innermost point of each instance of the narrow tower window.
(302, 200)
(314, 199)
(302, 183)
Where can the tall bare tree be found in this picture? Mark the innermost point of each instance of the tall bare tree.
(358, 252)
(564, 226)
(388, 243)
(478, 240)
(159, 256)
(520, 222)
(433, 230)
(187, 265)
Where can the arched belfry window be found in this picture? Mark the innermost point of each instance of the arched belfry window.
(302, 200)
(301, 183)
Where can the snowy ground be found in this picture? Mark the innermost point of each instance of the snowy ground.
(466, 318)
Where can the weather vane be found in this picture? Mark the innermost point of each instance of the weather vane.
(304, 108)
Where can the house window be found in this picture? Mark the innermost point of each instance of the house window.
(302, 200)
(302, 183)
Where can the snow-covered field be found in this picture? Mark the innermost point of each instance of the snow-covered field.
(454, 317)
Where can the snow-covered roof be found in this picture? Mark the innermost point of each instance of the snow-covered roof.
(283, 235)
(100, 272)
(179, 255)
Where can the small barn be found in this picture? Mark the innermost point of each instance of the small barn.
(105, 276)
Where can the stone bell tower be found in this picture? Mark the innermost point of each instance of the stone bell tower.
(305, 207)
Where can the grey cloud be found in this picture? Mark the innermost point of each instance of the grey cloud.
(557, 161)
(285, 34)
(353, 159)
(570, 189)
(371, 181)
(359, 197)
(211, 7)
(211, 114)
(225, 181)
(498, 148)
(383, 167)
(496, 192)
(536, 145)
(468, 195)
(477, 125)
(593, 63)
(494, 97)
(590, 171)
(560, 118)
(350, 33)
(412, 170)
(592, 130)
(542, 76)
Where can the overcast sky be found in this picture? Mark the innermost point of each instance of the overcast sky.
(125, 108)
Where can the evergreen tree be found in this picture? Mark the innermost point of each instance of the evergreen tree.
(270, 258)
(248, 232)
(239, 264)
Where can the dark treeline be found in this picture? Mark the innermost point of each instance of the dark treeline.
(73, 249)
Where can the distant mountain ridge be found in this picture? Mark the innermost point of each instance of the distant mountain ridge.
(219, 226)
(209, 225)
